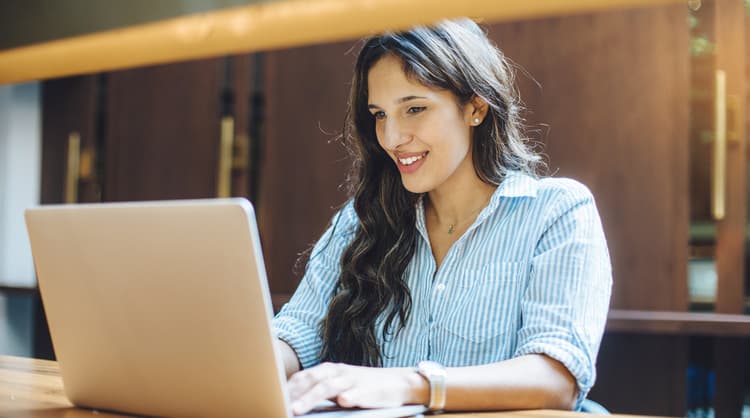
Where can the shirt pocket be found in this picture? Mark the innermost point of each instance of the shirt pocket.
(487, 303)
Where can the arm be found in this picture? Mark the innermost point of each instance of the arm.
(289, 357)
(297, 324)
(527, 382)
(565, 303)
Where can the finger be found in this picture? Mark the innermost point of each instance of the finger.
(326, 389)
(302, 381)
(349, 399)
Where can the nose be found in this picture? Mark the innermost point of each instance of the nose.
(394, 134)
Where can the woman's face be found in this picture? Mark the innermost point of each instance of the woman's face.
(424, 130)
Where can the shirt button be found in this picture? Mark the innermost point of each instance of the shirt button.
(440, 287)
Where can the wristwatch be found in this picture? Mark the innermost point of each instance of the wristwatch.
(435, 374)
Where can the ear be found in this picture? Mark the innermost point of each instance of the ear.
(476, 109)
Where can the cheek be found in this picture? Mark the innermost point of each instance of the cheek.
(452, 136)
(379, 135)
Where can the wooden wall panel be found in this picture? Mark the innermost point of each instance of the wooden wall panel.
(613, 103)
(241, 80)
(306, 91)
(162, 131)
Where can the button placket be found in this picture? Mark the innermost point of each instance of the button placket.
(436, 302)
(438, 294)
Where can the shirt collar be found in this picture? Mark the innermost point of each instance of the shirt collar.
(516, 184)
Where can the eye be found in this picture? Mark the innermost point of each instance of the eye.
(379, 115)
(416, 109)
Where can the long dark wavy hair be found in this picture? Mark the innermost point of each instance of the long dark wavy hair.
(453, 55)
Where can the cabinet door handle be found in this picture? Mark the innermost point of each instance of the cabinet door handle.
(73, 168)
(224, 178)
(719, 178)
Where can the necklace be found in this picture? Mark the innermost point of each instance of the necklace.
(452, 226)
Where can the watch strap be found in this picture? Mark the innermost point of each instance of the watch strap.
(435, 375)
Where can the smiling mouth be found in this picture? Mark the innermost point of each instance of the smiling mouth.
(411, 160)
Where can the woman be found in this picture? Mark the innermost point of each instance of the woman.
(451, 250)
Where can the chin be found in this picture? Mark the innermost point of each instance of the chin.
(415, 186)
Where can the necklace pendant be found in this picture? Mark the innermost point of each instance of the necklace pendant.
(450, 228)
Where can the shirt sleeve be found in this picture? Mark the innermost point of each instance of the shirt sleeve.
(298, 322)
(564, 307)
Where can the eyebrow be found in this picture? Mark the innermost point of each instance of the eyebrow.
(399, 101)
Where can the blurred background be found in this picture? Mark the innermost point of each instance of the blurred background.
(645, 105)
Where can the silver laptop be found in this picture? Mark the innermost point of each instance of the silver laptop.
(163, 308)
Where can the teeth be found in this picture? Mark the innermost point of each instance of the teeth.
(410, 160)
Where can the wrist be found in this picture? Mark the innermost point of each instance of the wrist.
(419, 387)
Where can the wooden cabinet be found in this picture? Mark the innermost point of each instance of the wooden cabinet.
(70, 110)
(150, 133)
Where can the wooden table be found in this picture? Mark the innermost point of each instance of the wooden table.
(33, 388)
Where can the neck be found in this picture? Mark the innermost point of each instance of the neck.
(454, 203)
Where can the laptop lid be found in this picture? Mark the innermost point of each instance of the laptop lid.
(159, 308)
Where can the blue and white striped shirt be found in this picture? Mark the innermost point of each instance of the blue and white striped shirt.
(531, 275)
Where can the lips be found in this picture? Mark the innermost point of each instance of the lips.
(410, 162)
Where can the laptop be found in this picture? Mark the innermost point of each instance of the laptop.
(163, 309)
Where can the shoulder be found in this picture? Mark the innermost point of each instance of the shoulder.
(567, 200)
(562, 189)
(340, 232)
(345, 221)
(522, 185)
(551, 197)
(545, 190)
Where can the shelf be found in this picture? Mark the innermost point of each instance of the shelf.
(678, 323)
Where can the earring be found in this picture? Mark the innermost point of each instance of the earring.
(476, 120)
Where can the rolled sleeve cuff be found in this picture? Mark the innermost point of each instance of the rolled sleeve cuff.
(571, 357)
(304, 340)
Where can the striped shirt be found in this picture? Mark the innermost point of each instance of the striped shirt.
(531, 275)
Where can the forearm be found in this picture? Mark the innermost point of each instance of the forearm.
(527, 382)
(289, 357)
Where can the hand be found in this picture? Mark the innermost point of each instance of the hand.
(355, 386)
